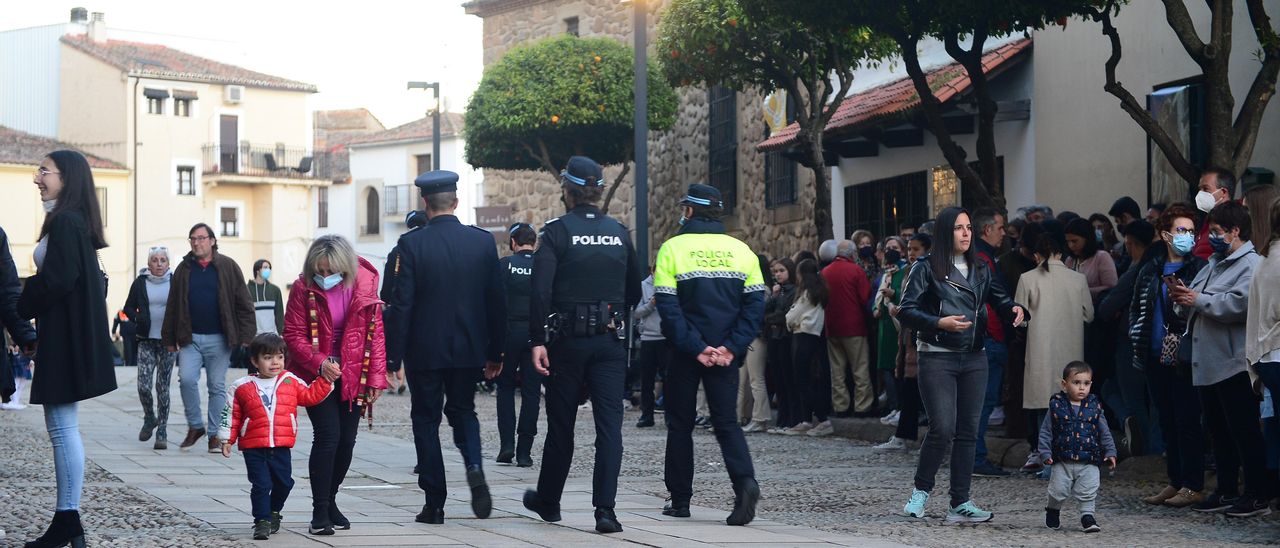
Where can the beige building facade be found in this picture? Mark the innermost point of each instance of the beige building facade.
(677, 157)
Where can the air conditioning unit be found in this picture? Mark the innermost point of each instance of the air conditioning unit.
(233, 94)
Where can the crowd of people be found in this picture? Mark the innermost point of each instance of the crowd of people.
(1094, 338)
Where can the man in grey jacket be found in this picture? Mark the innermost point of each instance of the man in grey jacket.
(1216, 305)
(654, 351)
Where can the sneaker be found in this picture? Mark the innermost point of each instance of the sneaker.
(915, 506)
(893, 421)
(985, 469)
(778, 430)
(887, 418)
(894, 444)
(645, 421)
(1088, 524)
(1185, 498)
(1165, 494)
(997, 416)
(968, 513)
(799, 429)
(1214, 503)
(1133, 436)
(275, 522)
(193, 435)
(755, 426)
(215, 445)
(821, 429)
(1052, 518)
(626, 404)
(1247, 507)
(262, 529)
(1033, 463)
(703, 422)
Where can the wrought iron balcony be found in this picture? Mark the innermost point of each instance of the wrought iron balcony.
(276, 161)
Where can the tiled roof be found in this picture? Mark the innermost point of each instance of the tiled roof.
(20, 147)
(351, 119)
(896, 98)
(450, 125)
(156, 61)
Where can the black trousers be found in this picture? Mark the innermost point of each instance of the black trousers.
(451, 393)
(270, 475)
(655, 357)
(681, 393)
(909, 404)
(812, 376)
(1179, 407)
(789, 401)
(336, 423)
(600, 362)
(1231, 414)
(517, 369)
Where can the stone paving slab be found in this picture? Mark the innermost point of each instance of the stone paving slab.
(381, 496)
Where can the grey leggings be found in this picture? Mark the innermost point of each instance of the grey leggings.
(155, 366)
(953, 386)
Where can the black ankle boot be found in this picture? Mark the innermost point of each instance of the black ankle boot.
(64, 530)
(524, 446)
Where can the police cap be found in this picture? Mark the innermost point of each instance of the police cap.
(582, 171)
(702, 195)
(416, 218)
(435, 182)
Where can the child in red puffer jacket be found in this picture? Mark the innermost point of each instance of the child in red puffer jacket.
(262, 414)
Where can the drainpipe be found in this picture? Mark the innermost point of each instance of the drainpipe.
(134, 265)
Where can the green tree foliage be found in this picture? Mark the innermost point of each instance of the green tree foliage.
(560, 97)
(753, 44)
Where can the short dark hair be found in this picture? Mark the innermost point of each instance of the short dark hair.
(267, 344)
(1123, 205)
(1158, 206)
(584, 195)
(523, 234)
(258, 264)
(212, 235)
(1141, 231)
(984, 217)
(1075, 368)
(1231, 214)
(1226, 179)
(440, 201)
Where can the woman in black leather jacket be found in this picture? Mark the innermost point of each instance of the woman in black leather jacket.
(778, 365)
(944, 300)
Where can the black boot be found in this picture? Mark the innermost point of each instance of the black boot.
(148, 426)
(336, 518)
(481, 502)
(524, 445)
(506, 454)
(320, 523)
(64, 530)
(607, 521)
(747, 494)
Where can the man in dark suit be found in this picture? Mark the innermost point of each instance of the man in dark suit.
(449, 323)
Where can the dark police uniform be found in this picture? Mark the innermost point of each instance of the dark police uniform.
(710, 293)
(414, 220)
(450, 314)
(584, 270)
(517, 271)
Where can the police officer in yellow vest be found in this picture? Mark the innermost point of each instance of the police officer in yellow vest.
(710, 294)
(584, 277)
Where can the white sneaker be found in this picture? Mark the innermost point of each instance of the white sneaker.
(894, 444)
(891, 418)
(997, 416)
(755, 426)
(897, 416)
(799, 429)
(585, 407)
(823, 428)
(12, 406)
(626, 404)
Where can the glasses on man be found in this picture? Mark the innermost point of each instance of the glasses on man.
(199, 239)
(41, 172)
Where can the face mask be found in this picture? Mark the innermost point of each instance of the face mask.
(1182, 243)
(1205, 201)
(266, 273)
(682, 220)
(327, 282)
(49, 205)
(866, 252)
(1097, 233)
(1219, 243)
(892, 256)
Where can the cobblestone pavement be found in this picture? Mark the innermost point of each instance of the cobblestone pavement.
(833, 484)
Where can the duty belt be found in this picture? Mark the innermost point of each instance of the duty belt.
(588, 320)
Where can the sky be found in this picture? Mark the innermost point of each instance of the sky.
(359, 54)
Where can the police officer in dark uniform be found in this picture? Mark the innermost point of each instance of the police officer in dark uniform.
(517, 270)
(414, 220)
(584, 277)
(450, 316)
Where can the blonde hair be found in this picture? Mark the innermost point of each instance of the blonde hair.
(341, 256)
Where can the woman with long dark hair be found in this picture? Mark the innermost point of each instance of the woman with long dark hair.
(1105, 234)
(810, 387)
(67, 298)
(1086, 256)
(778, 368)
(945, 302)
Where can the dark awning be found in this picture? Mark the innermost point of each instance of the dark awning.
(184, 94)
(155, 93)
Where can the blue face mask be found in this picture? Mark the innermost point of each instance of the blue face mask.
(1182, 243)
(1219, 243)
(266, 273)
(682, 220)
(1097, 234)
(327, 282)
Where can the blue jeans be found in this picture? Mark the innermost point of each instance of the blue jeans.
(952, 386)
(61, 421)
(211, 353)
(270, 475)
(997, 356)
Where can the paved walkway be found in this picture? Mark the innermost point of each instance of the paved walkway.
(381, 496)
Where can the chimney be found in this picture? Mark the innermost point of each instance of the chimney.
(98, 27)
(79, 15)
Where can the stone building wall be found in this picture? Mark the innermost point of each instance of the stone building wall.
(677, 157)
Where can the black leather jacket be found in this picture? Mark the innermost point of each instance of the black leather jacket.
(926, 300)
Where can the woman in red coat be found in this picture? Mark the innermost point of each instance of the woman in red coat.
(333, 324)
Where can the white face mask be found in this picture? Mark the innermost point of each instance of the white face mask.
(49, 205)
(1205, 201)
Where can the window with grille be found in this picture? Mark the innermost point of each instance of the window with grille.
(373, 215)
(884, 205)
(182, 107)
(722, 144)
(399, 199)
(229, 217)
(322, 207)
(186, 180)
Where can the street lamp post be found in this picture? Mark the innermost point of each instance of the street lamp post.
(435, 121)
(641, 145)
